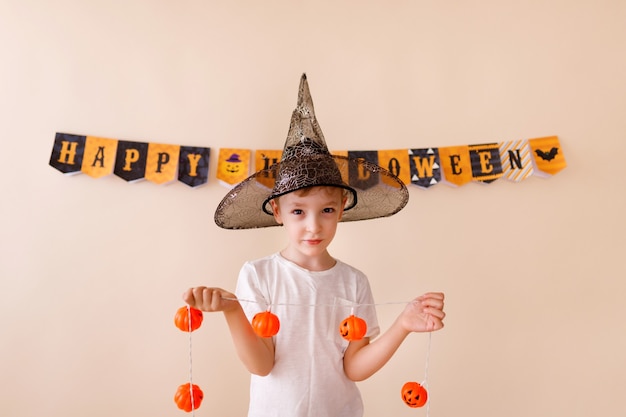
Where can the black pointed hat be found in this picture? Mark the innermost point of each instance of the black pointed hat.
(307, 162)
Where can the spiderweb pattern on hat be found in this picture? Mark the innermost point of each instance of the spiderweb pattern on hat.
(306, 162)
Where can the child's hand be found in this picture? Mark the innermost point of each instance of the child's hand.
(424, 314)
(210, 299)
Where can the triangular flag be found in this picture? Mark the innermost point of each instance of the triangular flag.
(425, 167)
(263, 160)
(67, 153)
(516, 160)
(233, 165)
(162, 163)
(547, 155)
(99, 158)
(456, 165)
(395, 161)
(485, 160)
(359, 177)
(130, 160)
(193, 165)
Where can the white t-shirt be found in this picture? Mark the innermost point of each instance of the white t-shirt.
(308, 378)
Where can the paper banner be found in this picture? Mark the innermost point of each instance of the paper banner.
(193, 165)
(397, 162)
(67, 153)
(130, 160)
(263, 160)
(486, 164)
(162, 163)
(360, 177)
(517, 164)
(547, 155)
(99, 158)
(456, 165)
(425, 167)
(233, 165)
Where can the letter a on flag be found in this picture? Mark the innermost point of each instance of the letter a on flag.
(99, 158)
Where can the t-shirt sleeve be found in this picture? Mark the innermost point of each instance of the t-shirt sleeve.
(367, 310)
(248, 291)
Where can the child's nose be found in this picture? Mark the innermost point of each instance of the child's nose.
(313, 224)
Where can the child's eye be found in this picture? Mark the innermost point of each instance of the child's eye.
(297, 211)
(329, 210)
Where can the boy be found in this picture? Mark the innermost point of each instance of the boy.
(308, 369)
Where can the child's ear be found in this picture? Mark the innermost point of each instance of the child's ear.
(276, 211)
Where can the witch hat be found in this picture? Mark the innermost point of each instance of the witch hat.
(307, 162)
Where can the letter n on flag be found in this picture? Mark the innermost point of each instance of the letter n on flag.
(517, 164)
(162, 163)
(547, 155)
(360, 177)
(67, 153)
(130, 160)
(99, 158)
(193, 165)
(425, 167)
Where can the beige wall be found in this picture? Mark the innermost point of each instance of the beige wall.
(91, 271)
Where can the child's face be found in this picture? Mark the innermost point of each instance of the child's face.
(310, 217)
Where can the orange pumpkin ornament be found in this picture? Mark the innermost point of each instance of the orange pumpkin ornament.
(353, 328)
(414, 395)
(181, 319)
(185, 393)
(265, 324)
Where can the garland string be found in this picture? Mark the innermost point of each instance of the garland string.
(193, 406)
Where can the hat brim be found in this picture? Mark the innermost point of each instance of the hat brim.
(377, 193)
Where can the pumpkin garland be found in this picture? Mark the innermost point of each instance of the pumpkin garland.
(188, 397)
(183, 317)
(414, 394)
(353, 328)
(266, 324)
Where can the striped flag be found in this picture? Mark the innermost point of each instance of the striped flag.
(517, 164)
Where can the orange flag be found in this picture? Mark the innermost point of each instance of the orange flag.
(547, 155)
(233, 165)
(162, 163)
(397, 162)
(456, 165)
(263, 160)
(99, 156)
